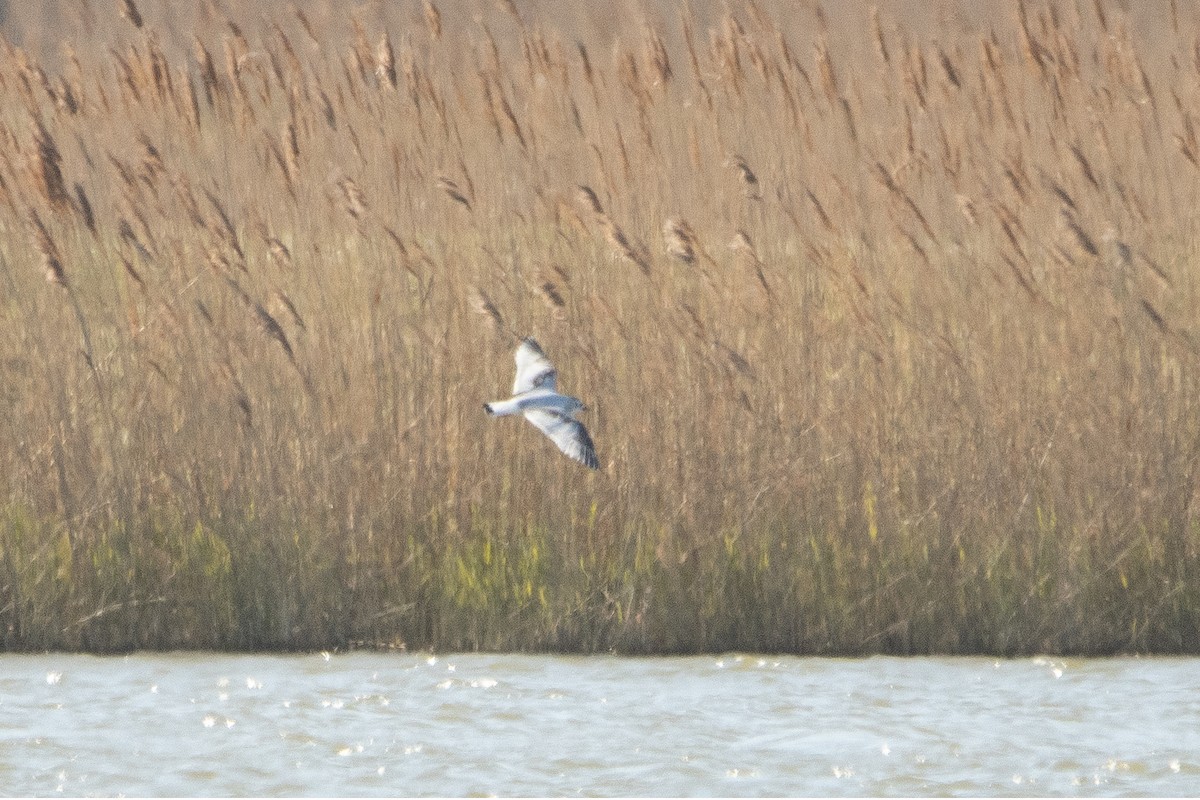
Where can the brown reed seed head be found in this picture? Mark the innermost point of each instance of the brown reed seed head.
(482, 304)
(588, 199)
(129, 11)
(749, 180)
(49, 168)
(680, 240)
(433, 20)
(453, 191)
(385, 61)
(51, 258)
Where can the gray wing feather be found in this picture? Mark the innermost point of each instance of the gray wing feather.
(569, 434)
(534, 370)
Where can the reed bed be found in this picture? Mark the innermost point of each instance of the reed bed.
(890, 332)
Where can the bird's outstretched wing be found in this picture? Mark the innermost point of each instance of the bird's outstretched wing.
(533, 368)
(569, 434)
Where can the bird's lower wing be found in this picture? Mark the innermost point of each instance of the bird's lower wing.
(569, 434)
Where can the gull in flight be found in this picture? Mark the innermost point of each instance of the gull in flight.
(535, 396)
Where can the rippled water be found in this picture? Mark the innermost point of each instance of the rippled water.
(401, 724)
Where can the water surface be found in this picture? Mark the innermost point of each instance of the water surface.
(405, 724)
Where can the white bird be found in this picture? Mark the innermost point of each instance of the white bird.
(535, 396)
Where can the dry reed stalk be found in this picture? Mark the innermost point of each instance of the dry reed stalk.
(967, 207)
(489, 105)
(877, 36)
(282, 298)
(548, 291)
(679, 239)
(385, 62)
(630, 76)
(51, 257)
(694, 148)
(508, 7)
(750, 185)
(160, 70)
(737, 361)
(65, 97)
(453, 192)
(208, 72)
(622, 246)
(482, 304)
(588, 199)
(1011, 225)
(50, 180)
(948, 68)
(187, 201)
(758, 60)
(513, 125)
(152, 163)
(743, 247)
(84, 206)
(226, 231)
(655, 57)
(129, 11)
(566, 216)
(192, 107)
(829, 80)
(433, 20)
(220, 264)
(885, 177)
(127, 235)
(690, 43)
(355, 200)
(327, 111)
(848, 115)
(361, 54)
(279, 252)
(1085, 166)
(269, 325)
(826, 222)
(1085, 242)
(290, 156)
(1155, 317)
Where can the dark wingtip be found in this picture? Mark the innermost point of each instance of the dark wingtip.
(487, 407)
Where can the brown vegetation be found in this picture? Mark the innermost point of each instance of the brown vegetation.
(915, 369)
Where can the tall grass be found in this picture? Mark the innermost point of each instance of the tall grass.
(890, 340)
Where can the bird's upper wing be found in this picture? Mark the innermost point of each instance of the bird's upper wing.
(569, 434)
(533, 368)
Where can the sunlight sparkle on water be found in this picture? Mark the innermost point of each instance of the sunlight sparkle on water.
(837, 726)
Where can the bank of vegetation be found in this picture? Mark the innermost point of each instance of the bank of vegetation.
(891, 340)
